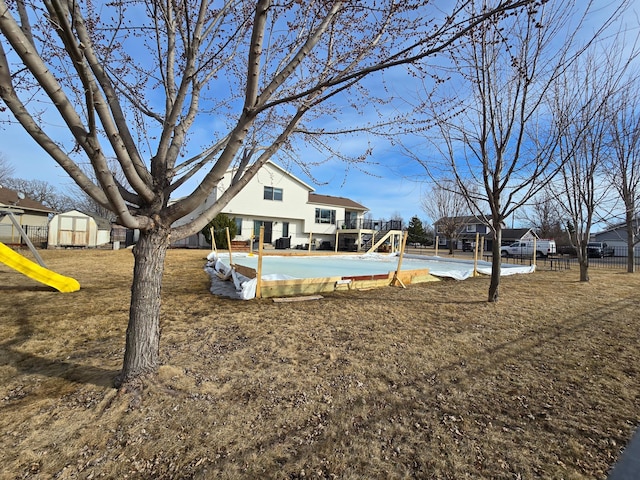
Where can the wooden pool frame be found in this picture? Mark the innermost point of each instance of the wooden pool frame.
(312, 286)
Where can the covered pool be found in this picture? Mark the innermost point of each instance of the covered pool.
(286, 267)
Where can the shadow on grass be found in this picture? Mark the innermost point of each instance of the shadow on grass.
(22, 288)
(29, 364)
(413, 402)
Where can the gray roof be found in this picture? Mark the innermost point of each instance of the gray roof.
(336, 201)
(516, 233)
(464, 219)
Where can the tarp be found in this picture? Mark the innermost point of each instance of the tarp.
(227, 282)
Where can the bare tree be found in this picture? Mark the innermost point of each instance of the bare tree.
(396, 216)
(448, 210)
(135, 79)
(497, 144)
(83, 202)
(43, 192)
(545, 214)
(6, 169)
(623, 165)
(582, 96)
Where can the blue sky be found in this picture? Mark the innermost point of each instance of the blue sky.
(389, 189)
(393, 184)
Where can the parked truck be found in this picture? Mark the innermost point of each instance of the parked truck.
(543, 248)
(599, 250)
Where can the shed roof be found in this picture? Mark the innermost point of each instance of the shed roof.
(101, 222)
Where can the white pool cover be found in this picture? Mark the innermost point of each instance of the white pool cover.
(276, 267)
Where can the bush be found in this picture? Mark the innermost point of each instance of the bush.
(220, 225)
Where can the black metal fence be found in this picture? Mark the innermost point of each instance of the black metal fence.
(571, 261)
(558, 261)
(38, 235)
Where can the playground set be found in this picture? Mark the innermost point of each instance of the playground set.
(36, 271)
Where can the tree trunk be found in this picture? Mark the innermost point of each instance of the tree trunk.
(496, 266)
(143, 331)
(584, 271)
(583, 260)
(630, 241)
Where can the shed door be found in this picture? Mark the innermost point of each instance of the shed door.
(73, 231)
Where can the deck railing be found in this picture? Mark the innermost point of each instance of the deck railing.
(366, 224)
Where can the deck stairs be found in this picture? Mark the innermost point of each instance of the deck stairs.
(379, 238)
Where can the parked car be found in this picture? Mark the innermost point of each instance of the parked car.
(599, 250)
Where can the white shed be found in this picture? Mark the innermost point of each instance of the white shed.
(76, 229)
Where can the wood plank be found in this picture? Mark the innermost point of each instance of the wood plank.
(246, 271)
(298, 299)
(379, 276)
(301, 281)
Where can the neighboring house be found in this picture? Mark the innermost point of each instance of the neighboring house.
(77, 229)
(32, 216)
(470, 225)
(616, 237)
(288, 209)
(512, 235)
(467, 228)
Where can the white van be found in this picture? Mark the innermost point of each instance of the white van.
(544, 248)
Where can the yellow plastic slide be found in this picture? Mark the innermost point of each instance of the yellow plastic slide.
(35, 271)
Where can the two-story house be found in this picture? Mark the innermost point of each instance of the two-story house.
(289, 209)
(460, 232)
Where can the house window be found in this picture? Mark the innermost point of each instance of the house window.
(285, 229)
(238, 225)
(471, 228)
(324, 215)
(272, 193)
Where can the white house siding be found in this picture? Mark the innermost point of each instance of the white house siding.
(250, 202)
(33, 220)
(250, 206)
(296, 231)
(103, 237)
(310, 224)
(26, 218)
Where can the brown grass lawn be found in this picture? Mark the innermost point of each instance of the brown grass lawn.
(425, 382)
